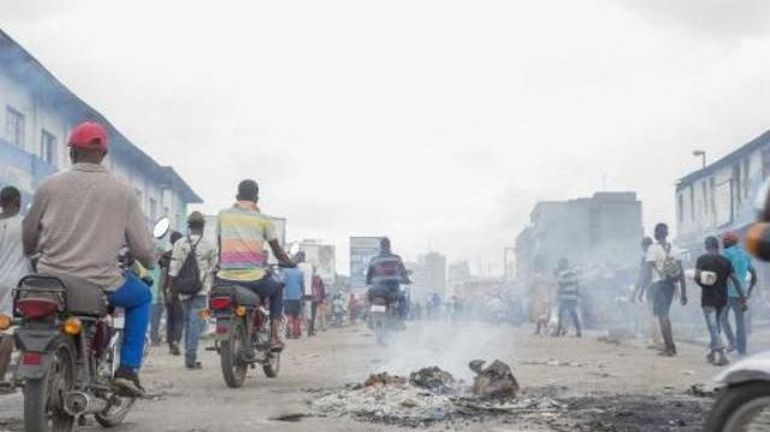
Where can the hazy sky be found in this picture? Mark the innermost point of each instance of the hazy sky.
(439, 123)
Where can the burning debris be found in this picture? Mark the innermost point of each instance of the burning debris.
(435, 380)
(496, 381)
(429, 395)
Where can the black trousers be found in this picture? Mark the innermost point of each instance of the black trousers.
(174, 320)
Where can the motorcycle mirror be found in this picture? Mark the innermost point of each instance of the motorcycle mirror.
(294, 249)
(161, 228)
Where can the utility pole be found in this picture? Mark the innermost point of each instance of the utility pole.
(702, 155)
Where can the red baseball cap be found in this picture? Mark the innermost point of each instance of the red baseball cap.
(89, 136)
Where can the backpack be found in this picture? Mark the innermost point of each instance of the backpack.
(188, 281)
(671, 270)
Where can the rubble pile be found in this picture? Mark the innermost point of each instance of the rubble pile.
(430, 395)
(435, 380)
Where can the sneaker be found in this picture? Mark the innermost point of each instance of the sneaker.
(730, 348)
(710, 357)
(721, 359)
(194, 365)
(127, 383)
(173, 349)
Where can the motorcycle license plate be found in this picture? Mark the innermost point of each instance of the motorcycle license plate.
(379, 308)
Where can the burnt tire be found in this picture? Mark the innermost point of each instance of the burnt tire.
(735, 404)
(233, 367)
(43, 398)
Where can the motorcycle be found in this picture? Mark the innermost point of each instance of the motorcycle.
(744, 401)
(242, 333)
(382, 318)
(338, 312)
(69, 342)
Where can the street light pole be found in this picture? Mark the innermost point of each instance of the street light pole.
(702, 155)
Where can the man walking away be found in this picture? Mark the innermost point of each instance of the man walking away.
(174, 309)
(156, 312)
(712, 271)
(294, 288)
(13, 264)
(649, 298)
(316, 311)
(568, 296)
(662, 272)
(736, 303)
(191, 275)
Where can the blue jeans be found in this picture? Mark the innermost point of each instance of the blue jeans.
(713, 316)
(192, 326)
(737, 339)
(134, 296)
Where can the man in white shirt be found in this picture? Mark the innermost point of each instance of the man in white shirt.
(661, 273)
(14, 265)
(193, 302)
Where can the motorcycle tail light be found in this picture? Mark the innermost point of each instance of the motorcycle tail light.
(32, 358)
(72, 326)
(219, 303)
(240, 311)
(36, 308)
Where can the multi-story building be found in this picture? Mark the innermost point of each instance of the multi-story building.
(429, 276)
(36, 114)
(604, 230)
(720, 196)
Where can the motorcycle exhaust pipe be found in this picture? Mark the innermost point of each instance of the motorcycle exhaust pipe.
(77, 403)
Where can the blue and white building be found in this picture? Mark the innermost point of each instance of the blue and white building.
(36, 115)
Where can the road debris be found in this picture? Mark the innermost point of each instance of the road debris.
(435, 380)
(496, 381)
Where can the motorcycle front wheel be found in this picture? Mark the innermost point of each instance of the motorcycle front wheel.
(44, 397)
(741, 408)
(230, 355)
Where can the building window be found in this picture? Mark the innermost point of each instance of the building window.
(48, 147)
(766, 162)
(153, 210)
(692, 203)
(14, 126)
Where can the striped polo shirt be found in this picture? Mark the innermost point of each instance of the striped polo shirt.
(242, 234)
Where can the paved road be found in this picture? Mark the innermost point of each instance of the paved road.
(572, 368)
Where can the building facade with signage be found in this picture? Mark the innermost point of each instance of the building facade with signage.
(36, 114)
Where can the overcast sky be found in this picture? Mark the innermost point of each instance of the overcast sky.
(439, 123)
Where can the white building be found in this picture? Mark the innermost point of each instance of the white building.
(720, 197)
(36, 115)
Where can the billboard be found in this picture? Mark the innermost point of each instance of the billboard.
(362, 250)
(323, 258)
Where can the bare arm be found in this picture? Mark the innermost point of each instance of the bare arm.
(753, 282)
(138, 238)
(737, 285)
(683, 283)
(31, 225)
(280, 254)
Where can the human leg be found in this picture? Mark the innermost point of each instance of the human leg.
(134, 297)
(740, 325)
(727, 328)
(156, 314)
(6, 351)
(192, 329)
(573, 308)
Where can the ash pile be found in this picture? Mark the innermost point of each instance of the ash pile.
(431, 395)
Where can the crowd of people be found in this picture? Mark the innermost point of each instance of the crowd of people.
(724, 274)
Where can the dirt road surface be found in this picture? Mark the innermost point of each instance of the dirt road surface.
(589, 384)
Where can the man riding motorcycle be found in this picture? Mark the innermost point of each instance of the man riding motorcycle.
(78, 222)
(242, 232)
(386, 273)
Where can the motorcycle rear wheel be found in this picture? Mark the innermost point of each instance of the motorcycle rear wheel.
(44, 397)
(233, 367)
(745, 407)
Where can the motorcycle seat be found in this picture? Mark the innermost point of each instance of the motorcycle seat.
(81, 297)
(242, 296)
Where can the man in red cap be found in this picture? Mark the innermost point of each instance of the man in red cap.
(78, 222)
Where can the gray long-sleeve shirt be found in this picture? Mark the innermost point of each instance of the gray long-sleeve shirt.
(78, 222)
